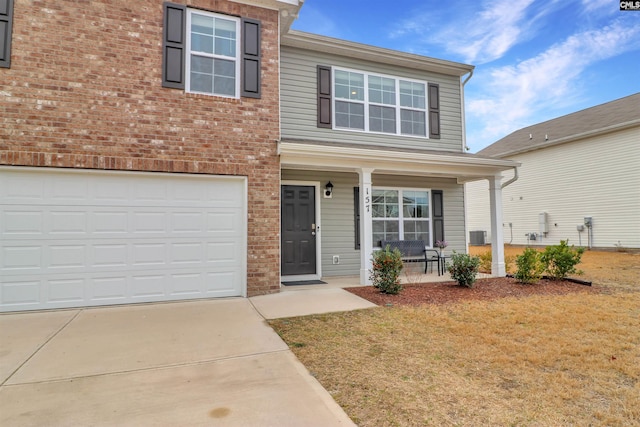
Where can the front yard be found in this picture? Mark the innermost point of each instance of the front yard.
(534, 360)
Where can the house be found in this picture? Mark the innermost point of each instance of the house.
(579, 180)
(164, 151)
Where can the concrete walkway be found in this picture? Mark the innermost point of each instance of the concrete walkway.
(206, 362)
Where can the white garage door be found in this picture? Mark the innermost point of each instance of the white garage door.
(72, 238)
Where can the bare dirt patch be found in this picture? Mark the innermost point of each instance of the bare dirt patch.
(483, 290)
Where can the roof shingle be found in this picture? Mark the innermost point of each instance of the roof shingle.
(611, 114)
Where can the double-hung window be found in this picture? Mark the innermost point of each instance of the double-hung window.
(380, 104)
(213, 43)
(211, 53)
(401, 214)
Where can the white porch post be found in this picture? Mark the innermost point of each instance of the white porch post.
(497, 238)
(366, 232)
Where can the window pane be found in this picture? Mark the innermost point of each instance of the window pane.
(349, 115)
(391, 196)
(201, 74)
(382, 90)
(412, 122)
(201, 43)
(412, 94)
(201, 83)
(377, 211)
(224, 86)
(225, 33)
(202, 24)
(349, 85)
(382, 119)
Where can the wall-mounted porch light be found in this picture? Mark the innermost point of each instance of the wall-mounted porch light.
(328, 190)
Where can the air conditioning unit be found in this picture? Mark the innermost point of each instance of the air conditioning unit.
(477, 238)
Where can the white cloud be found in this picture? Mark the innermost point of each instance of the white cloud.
(512, 95)
(480, 37)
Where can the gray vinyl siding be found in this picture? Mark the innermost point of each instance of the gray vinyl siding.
(299, 102)
(337, 228)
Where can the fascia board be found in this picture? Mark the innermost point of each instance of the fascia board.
(390, 162)
(576, 137)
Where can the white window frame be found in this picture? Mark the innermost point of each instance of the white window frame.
(398, 108)
(401, 218)
(236, 59)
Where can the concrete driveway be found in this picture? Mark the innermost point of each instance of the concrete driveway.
(211, 362)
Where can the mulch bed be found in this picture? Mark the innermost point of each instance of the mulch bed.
(483, 290)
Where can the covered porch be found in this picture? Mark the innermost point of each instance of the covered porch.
(344, 182)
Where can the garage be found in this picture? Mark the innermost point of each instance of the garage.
(75, 238)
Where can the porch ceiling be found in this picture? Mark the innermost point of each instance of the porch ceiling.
(342, 158)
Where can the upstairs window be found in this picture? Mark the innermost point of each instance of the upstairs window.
(212, 66)
(380, 104)
(210, 53)
(376, 103)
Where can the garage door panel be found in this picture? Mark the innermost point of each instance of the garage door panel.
(118, 237)
(18, 222)
(66, 291)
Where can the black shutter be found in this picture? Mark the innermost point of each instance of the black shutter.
(438, 215)
(173, 45)
(434, 111)
(356, 215)
(324, 96)
(251, 58)
(6, 18)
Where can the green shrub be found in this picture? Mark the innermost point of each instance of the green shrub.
(385, 273)
(485, 261)
(530, 267)
(560, 260)
(464, 268)
(487, 257)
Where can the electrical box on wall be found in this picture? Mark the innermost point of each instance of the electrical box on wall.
(543, 222)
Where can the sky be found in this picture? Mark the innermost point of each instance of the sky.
(535, 60)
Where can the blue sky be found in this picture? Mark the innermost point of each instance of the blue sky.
(535, 60)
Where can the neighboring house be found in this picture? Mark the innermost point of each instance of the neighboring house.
(579, 180)
(154, 152)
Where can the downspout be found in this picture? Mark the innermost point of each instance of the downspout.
(512, 180)
(462, 112)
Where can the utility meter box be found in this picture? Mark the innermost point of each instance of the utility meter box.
(543, 222)
(588, 221)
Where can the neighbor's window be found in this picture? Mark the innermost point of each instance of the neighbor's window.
(400, 214)
(212, 65)
(380, 104)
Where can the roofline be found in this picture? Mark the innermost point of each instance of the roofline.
(315, 42)
(571, 138)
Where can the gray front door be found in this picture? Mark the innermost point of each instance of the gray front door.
(298, 230)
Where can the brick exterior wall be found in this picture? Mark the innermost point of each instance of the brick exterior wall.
(84, 91)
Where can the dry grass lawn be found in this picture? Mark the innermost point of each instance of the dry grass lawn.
(540, 360)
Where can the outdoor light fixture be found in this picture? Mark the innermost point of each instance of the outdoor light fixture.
(328, 190)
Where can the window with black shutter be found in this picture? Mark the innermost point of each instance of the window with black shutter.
(210, 53)
(6, 19)
(434, 111)
(324, 96)
(437, 201)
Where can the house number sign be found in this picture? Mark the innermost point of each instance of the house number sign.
(367, 199)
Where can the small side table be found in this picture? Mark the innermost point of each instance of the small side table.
(442, 263)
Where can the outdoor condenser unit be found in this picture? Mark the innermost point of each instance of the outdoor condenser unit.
(476, 238)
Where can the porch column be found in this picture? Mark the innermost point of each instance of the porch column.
(497, 237)
(366, 232)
